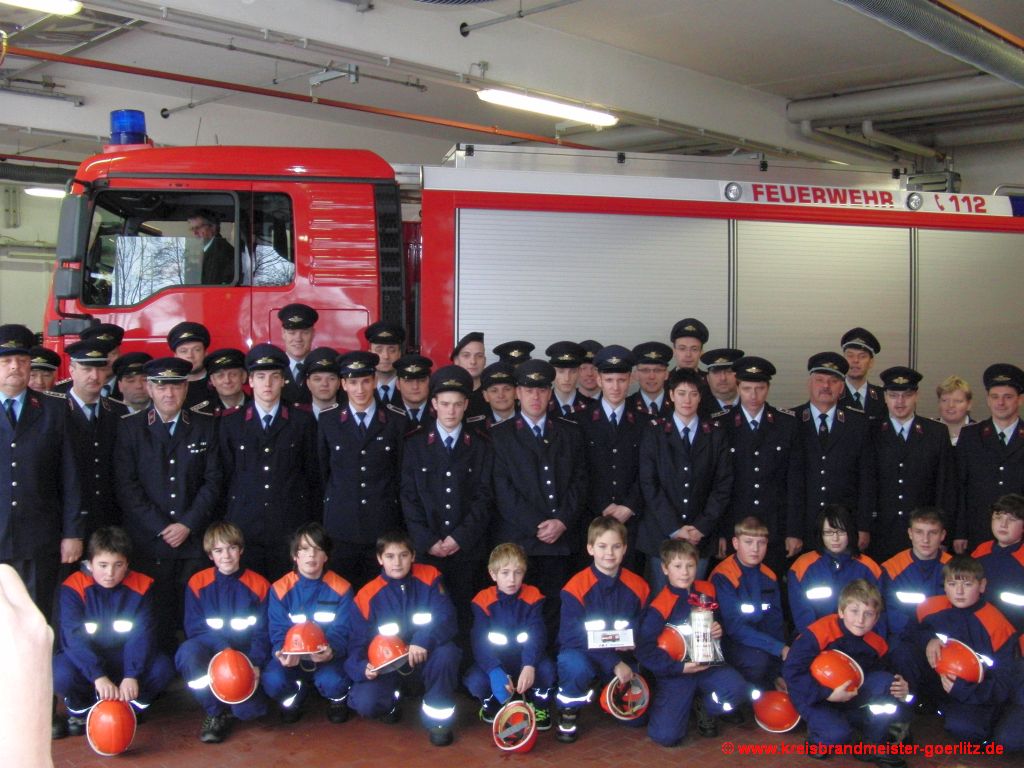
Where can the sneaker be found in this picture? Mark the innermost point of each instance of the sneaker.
(441, 735)
(566, 726)
(489, 709)
(337, 711)
(58, 727)
(393, 715)
(543, 717)
(76, 725)
(706, 725)
(290, 715)
(215, 728)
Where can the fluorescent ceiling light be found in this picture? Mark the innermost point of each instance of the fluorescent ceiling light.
(45, 192)
(58, 7)
(547, 107)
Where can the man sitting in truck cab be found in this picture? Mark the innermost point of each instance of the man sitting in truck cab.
(218, 253)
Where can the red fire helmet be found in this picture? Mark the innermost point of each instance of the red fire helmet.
(387, 653)
(232, 676)
(959, 660)
(834, 668)
(672, 642)
(515, 727)
(304, 638)
(774, 711)
(110, 727)
(626, 702)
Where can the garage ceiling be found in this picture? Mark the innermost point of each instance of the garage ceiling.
(794, 50)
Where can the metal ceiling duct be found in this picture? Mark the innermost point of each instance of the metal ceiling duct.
(949, 33)
(31, 174)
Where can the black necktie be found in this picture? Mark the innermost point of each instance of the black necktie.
(903, 434)
(1002, 435)
(567, 410)
(823, 429)
(267, 420)
(361, 415)
(385, 393)
(9, 407)
(537, 432)
(414, 414)
(652, 408)
(753, 425)
(300, 373)
(856, 399)
(170, 427)
(91, 411)
(449, 443)
(686, 439)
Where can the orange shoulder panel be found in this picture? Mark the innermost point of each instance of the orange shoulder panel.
(805, 561)
(259, 585)
(875, 641)
(826, 630)
(580, 584)
(897, 564)
(945, 557)
(284, 585)
(485, 598)
(985, 548)
(768, 572)
(637, 586)
(530, 595)
(428, 574)
(665, 602)
(932, 605)
(79, 581)
(997, 625)
(704, 587)
(729, 570)
(137, 582)
(337, 583)
(201, 580)
(367, 593)
(872, 565)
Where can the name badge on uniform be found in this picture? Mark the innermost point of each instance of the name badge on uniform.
(617, 639)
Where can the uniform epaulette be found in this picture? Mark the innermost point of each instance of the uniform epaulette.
(786, 411)
(114, 400)
(719, 414)
(58, 395)
(198, 408)
(129, 415)
(474, 419)
(62, 382)
(564, 420)
(396, 409)
(329, 408)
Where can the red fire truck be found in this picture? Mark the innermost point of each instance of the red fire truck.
(543, 244)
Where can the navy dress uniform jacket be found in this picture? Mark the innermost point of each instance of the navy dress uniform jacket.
(988, 469)
(838, 470)
(683, 487)
(446, 494)
(613, 459)
(873, 408)
(537, 480)
(272, 475)
(92, 443)
(40, 497)
(638, 405)
(164, 479)
(767, 467)
(361, 474)
(917, 472)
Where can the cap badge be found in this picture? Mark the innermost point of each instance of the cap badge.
(9, 344)
(265, 361)
(515, 353)
(295, 319)
(451, 383)
(1001, 377)
(901, 380)
(566, 356)
(356, 365)
(186, 335)
(753, 369)
(94, 353)
(535, 376)
(614, 360)
(413, 368)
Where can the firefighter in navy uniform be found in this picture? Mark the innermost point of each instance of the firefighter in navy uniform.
(611, 443)
(835, 449)
(471, 354)
(169, 484)
(297, 334)
(360, 448)
(767, 480)
(652, 359)
(130, 370)
(588, 384)
(539, 485)
(92, 429)
(271, 470)
(40, 524)
(567, 400)
(498, 383)
(413, 373)
(323, 380)
(721, 380)
(446, 493)
(226, 369)
(189, 341)
(990, 456)
(914, 463)
(860, 347)
(386, 341)
(43, 370)
(110, 336)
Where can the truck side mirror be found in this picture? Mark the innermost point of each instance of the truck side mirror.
(73, 230)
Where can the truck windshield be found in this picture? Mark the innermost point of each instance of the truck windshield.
(147, 241)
